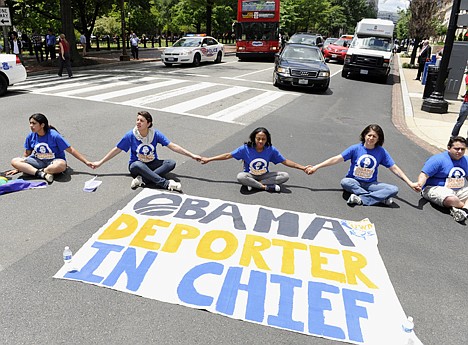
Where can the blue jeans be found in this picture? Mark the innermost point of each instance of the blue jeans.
(461, 119)
(153, 172)
(371, 193)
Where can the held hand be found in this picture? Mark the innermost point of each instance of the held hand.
(415, 186)
(197, 157)
(90, 164)
(95, 165)
(306, 168)
(311, 170)
(204, 160)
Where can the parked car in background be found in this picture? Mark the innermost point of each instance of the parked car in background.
(301, 65)
(307, 38)
(328, 41)
(337, 50)
(12, 71)
(193, 49)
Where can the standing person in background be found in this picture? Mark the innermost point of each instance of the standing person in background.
(50, 45)
(64, 56)
(26, 41)
(83, 43)
(463, 110)
(424, 56)
(16, 47)
(37, 42)
(134, 40)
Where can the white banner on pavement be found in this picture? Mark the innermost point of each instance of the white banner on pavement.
(301, 272)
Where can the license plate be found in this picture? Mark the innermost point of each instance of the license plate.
(364, 71)
(303, 81)
(170, 59)
(334, 56)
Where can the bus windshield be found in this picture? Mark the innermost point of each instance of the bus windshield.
(257, 31)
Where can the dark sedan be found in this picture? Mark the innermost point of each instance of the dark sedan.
(302, 66)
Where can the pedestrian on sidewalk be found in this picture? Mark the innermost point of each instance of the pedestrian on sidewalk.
(361, 179)
(37, 42)
(443, 178)
(64, 56)
(16, 46)
(144, 165)
(44, 153)
(257, 154)
(463, 110)
(83, 43)
(424, 55)
(50, 45)
(134, 40)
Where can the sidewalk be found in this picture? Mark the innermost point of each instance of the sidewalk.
(432, 130)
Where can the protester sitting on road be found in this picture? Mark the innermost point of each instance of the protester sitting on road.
(443, 176)
(44, 155)
(257, 153)
(144, 165)
(361, 179)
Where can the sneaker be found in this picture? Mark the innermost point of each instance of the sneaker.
(388, 202)
(48, 177)
(137, 182)
(354, 200)
(272, 188)
(458, 214)
(173, 185)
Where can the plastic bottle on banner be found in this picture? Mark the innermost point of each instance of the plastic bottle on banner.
(67, 258)
(408, 325)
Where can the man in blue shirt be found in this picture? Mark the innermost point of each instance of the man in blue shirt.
(443, 179)
(50, 45)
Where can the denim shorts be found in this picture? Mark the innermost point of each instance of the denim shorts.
(38, 163)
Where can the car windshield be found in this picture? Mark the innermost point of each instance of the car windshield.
(341, 42)
(303, 39)
(188, 42)
(301, 53)
(373, 43)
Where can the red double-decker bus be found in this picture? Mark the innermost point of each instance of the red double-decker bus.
(257, 28)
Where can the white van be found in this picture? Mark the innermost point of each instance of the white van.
(371, 51)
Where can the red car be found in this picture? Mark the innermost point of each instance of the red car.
(337, 50)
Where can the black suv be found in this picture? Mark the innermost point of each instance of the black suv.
(307, 38)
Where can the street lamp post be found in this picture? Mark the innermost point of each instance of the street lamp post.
(124, 56)
(436, 103)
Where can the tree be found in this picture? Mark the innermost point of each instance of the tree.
(422, 23)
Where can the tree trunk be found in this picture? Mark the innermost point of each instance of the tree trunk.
(68, 30)
(209, 13)
(415, 49)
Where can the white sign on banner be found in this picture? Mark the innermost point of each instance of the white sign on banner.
(5, 16)
(300, 272)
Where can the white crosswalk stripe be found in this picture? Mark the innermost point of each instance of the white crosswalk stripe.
(210, 100)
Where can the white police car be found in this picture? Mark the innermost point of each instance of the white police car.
(12, 71)
(193, 49)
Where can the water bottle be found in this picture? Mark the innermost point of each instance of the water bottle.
(408, 325)
(67, 258)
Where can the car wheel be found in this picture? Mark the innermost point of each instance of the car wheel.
(168, 64)
(196, 60)
(219, 57)
(275, 80)
(383, 79)
(344, 73)
(3, 85)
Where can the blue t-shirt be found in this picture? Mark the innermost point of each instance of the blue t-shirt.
(255, 162)
(445, 171)
(365, 162)
(139, 150)
(49, 146)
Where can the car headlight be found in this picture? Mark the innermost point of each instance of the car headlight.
(185, 52)
(282, 70)
(324, 74)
